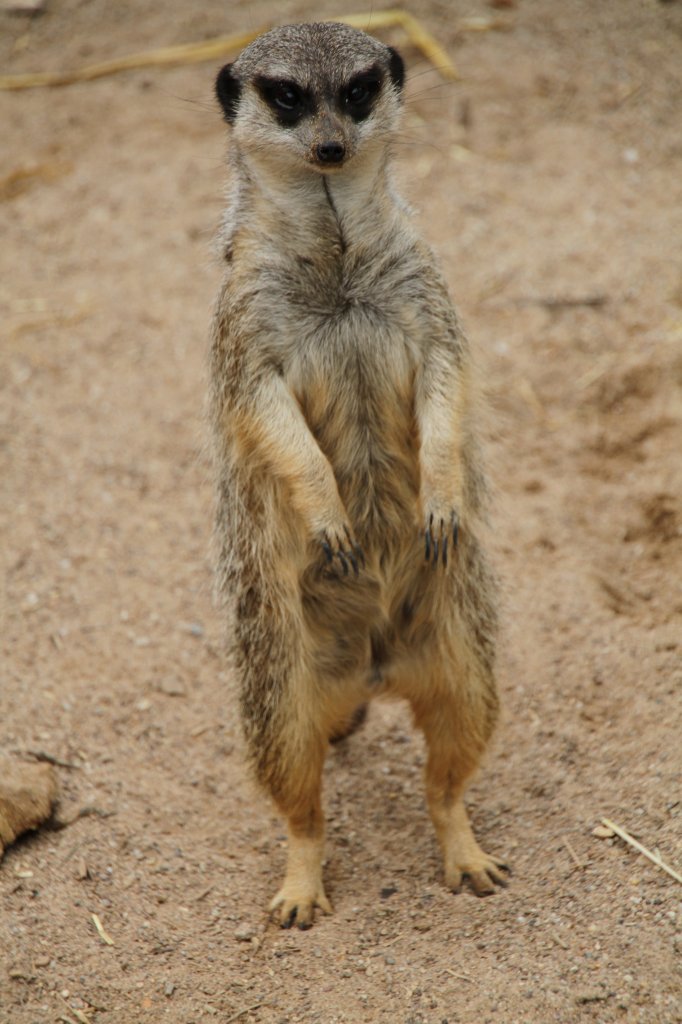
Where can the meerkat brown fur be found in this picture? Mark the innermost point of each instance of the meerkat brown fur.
(348, 481)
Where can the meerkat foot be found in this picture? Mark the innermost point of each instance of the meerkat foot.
(464, 858)
(295, 904)
(303, 889)
(483, 872)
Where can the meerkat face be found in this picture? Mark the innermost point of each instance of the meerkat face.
(312, 98)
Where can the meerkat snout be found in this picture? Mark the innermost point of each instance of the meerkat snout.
(331, 152)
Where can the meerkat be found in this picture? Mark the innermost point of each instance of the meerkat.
(349, 488)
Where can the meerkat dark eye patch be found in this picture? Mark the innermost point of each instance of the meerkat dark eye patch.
(288, 101)
(396, 69)
(228, 90)
(358, 96)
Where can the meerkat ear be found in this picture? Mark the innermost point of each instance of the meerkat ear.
(396, 67)
(228, 90)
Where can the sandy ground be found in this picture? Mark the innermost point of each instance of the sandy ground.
(549, 179)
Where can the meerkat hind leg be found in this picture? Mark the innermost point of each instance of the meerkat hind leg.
(301, 805)
(456, 731)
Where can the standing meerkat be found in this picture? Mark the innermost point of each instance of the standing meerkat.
(347, 468)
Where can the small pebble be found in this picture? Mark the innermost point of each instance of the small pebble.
(244, 933)
(173, 688)
(591, 996)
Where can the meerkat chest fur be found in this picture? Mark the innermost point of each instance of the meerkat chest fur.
(340, 305)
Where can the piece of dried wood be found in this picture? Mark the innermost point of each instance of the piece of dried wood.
(653, 857)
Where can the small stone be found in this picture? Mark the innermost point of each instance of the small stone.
(168, 989)
(193, 628)
(421, 924)
(603, 832)
(82, 870)
(173, 688)
(244, 933)
(591, 996)
(42, 961)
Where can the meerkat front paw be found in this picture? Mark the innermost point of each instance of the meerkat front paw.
(441, 531)
(338, 545)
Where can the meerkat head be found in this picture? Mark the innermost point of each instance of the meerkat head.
(312, 98)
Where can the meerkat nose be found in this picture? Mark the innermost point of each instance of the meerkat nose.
(331, 152)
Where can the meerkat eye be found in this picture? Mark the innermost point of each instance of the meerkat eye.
(286, 99)
(286, 96)
(358, 96)
(358, 93)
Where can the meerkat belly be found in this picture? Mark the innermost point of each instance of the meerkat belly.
(357, 398)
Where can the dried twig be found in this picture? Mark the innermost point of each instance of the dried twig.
(41, 755)
(186, 53)
(23, 178)
(528, 393)
(100, 930)
(413, 29)
(240, 1013)
(559, 941)
(564, 301)
(654, 858)
(574, 856)
(460, 977)
(78, 1014)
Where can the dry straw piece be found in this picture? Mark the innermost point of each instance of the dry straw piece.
(220, 46)
(100, 930)
(653, 857)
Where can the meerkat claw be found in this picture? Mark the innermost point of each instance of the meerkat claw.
(429, 539)
(455, 529)
(290, 918)
(328, 554)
